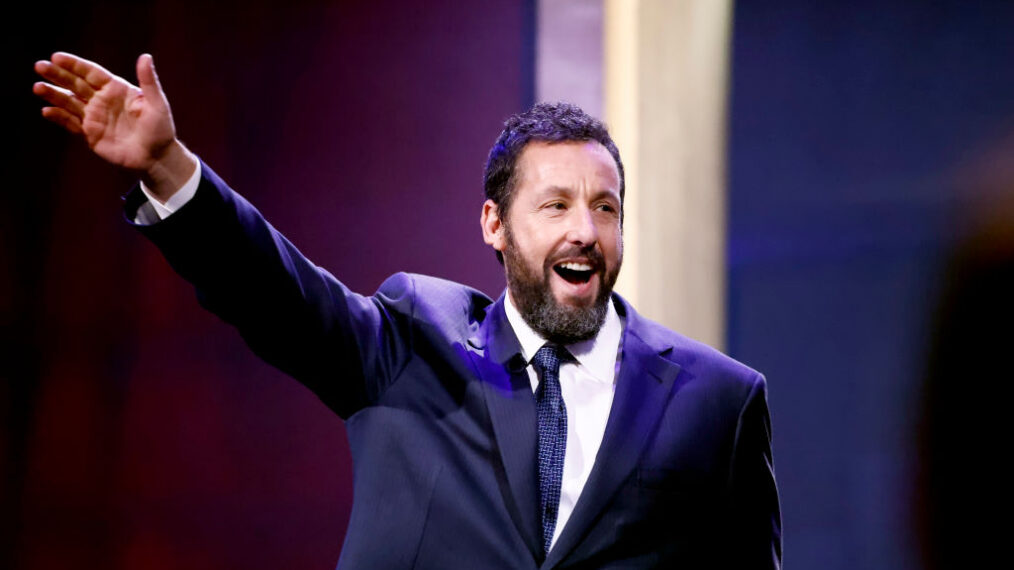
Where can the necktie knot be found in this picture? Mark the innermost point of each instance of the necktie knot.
(548, 358)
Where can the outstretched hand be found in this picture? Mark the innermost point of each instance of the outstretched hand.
(128, 126)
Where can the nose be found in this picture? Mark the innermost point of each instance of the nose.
(582, 230)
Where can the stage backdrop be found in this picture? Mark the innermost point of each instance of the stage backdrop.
(138, 431)
(860, 134)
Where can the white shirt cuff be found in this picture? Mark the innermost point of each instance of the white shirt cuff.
(154, 211)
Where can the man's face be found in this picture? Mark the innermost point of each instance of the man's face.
(561, 238)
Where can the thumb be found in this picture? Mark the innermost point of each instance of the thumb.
(148, 80)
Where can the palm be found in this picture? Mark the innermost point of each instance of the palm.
(123, 127)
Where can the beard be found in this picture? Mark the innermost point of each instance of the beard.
(533, 295)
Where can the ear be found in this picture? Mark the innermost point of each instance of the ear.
(492, 225)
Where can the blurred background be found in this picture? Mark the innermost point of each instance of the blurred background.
(857, 251)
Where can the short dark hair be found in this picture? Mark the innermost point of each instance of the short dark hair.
(544, 122)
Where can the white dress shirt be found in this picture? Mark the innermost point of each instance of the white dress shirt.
(587, 386)
(153, 211)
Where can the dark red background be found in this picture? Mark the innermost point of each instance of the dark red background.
(139, 432)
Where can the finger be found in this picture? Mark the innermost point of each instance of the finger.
(147, 78)
(93, 73)
(63, 118)
(60, 76)
(59, 97)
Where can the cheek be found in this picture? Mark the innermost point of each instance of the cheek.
(612, 243)
(529, 246)
(537, 242)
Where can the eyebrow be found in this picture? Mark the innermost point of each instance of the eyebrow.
(550, 190)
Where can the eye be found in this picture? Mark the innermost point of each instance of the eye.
(556, 206)
(608, 208)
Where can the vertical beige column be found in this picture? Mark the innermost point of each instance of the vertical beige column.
(568, 48)
(666, 75)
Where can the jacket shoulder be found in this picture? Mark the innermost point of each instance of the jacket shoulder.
(448, 306)
(695, 357)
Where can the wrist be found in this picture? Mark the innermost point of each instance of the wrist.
(170, 171)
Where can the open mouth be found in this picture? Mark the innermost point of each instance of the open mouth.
(574, 272)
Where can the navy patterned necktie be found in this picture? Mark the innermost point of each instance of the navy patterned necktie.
(552, 415)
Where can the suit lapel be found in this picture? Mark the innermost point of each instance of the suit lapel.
(496, 354)
(643, 387)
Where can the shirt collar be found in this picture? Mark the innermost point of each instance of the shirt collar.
(597, 354)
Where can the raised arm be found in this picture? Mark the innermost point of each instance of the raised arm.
(129, 126)
(345, 347)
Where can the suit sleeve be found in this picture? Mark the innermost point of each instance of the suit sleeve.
(345, 347)
(755, 511)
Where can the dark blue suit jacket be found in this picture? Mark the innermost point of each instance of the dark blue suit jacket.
(441, 416)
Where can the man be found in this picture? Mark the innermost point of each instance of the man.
(553, 427)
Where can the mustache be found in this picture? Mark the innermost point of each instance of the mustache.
(591, 253)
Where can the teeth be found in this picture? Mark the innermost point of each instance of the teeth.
(574, 266)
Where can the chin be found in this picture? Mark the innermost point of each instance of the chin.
(576, 302)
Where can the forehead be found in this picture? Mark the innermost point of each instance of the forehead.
(572, 164)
